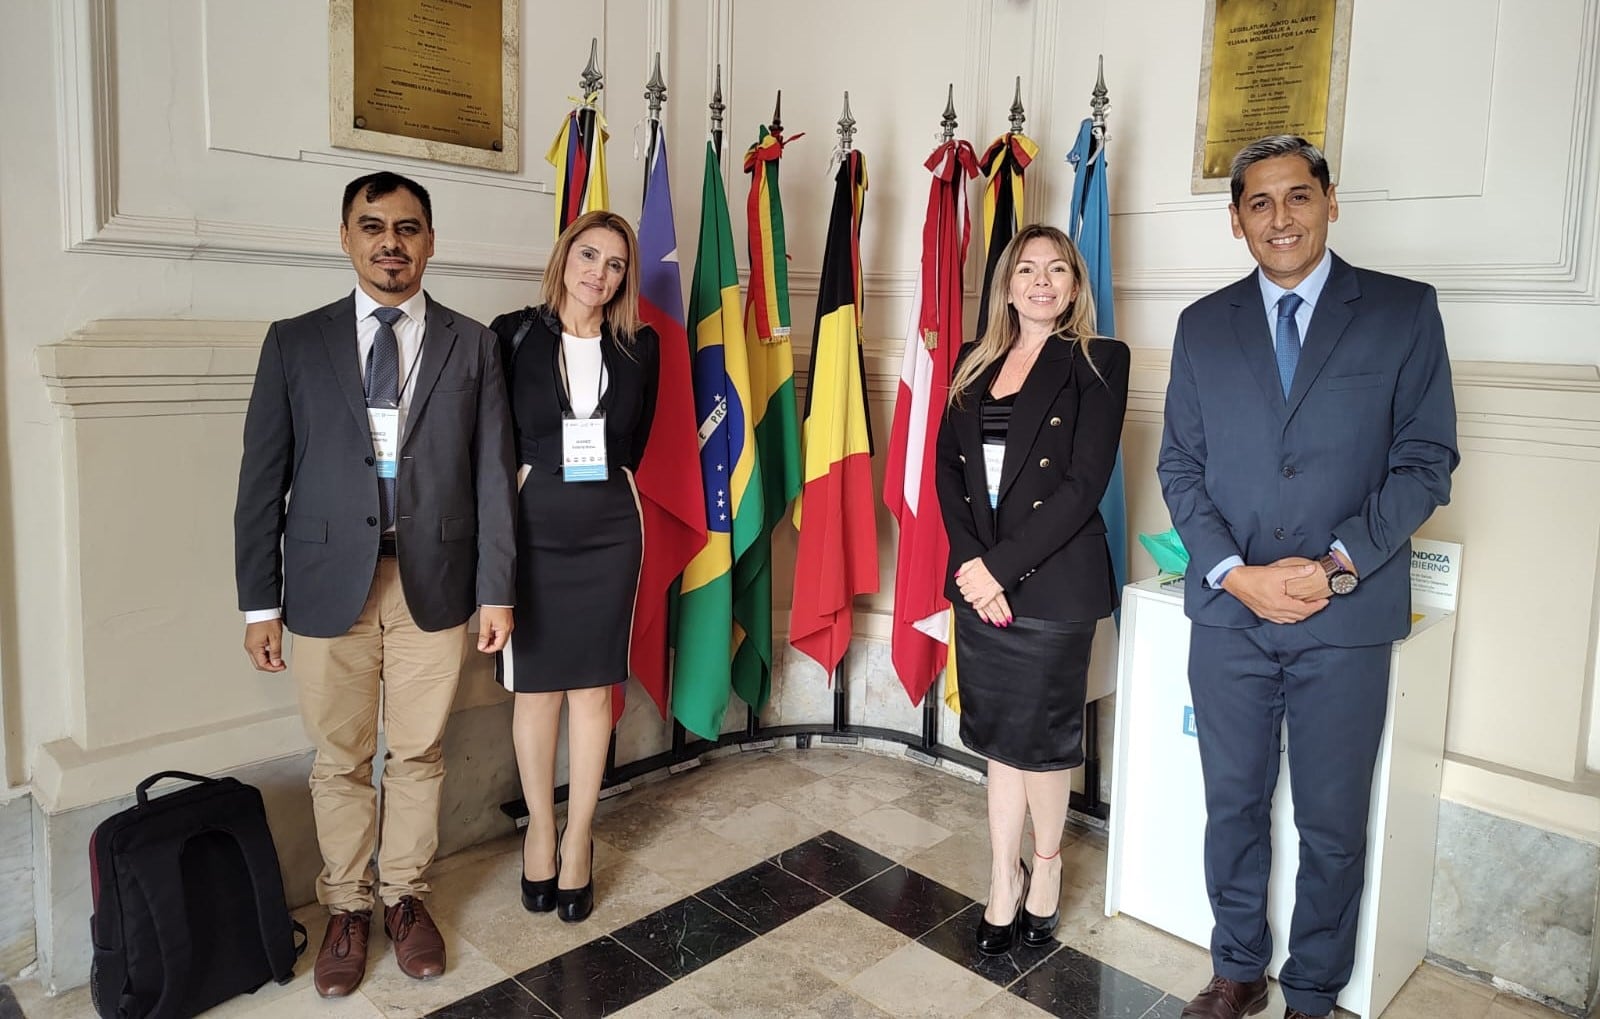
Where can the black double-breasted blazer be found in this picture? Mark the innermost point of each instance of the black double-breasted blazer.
(1045, 541)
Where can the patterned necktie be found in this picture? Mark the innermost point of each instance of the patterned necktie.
(1288, 339)
(383, 389)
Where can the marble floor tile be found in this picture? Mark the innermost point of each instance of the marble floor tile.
(680, 938)
(1433, 991)
(840, 1003)
(915, 981)
(1512, 1006)
(830, 801)
(634, 827)
(1170, 1007)
(951, 803)
(757, 980)
(675, 1002)
(957, 940)
(1141, 951)
(1074, 985)
(765, 827)
(825, 760)
(906, 901)
(960, 862)
(836, 940)
(699, 858)
(832, 862)
(762, 898)
(306, 1002)
(398, 996)
(595, 979)
(1008, 1006)
(711, 791)
(886, 779)
(505, 1000)
(36, 1004)
(894, 832)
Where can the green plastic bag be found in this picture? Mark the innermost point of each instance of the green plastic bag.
(1167, 550)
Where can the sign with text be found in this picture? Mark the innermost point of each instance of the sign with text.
(1275, 68)
(1435, 573)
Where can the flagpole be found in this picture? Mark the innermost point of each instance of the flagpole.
(1089, 802)
(717, 106)
(931, 701)
(841, 698)
(655, 95)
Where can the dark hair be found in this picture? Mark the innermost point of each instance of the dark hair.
(1273, 146)
(376, 185)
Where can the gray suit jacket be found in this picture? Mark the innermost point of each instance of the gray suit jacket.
(1361, 450)
(306, 522)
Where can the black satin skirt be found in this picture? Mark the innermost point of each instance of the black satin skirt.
(1022, 689)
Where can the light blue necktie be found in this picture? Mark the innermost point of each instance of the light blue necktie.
(1288, 339)
(383, 389)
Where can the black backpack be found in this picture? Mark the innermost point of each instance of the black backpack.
(188, 902)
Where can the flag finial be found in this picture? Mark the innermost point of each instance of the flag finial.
(1018, 117)
(717, 105)
(592, 80)
(655, 90)
(1098, 101)
(847, 126)
(776, 127)
(948, 122)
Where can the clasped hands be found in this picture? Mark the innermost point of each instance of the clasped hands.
(984, 593)
(1290, 590)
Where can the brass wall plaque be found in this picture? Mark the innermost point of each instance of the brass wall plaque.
(1270, 67)
(435, 79)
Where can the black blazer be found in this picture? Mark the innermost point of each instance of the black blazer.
(306, 521)
(534, 380)
(1045, 543)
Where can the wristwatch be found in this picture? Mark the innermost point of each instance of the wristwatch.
(1340, 580)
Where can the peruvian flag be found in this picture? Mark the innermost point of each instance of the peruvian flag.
(933, 340)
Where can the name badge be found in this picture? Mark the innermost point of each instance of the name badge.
(994, 461)
(583, 449)
(384, 423)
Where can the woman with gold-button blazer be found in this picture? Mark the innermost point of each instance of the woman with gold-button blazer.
(1025, 452)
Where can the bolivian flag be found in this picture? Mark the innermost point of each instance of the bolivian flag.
(702, 676)
(837, 557)
(777, 425)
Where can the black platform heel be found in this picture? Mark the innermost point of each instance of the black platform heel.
(996, 939)
(575, 904)
(540, 896)
(1039, 931)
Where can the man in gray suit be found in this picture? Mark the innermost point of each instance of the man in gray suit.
(1310, 430)
(375, 513)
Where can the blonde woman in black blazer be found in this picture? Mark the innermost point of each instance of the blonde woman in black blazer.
(1030, 572)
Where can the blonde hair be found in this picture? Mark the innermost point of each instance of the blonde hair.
(1076, 320)
(622, 311)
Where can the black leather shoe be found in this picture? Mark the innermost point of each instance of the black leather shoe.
(996, 939)
(575, 904)
(1039, 931)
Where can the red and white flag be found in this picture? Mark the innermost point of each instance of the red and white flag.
(933, 339)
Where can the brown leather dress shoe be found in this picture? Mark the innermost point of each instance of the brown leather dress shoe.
(418, 947)
(1227, 999)
(342, 959)
(1295, 1013)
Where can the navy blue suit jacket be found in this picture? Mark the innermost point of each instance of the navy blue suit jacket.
(1360, 451)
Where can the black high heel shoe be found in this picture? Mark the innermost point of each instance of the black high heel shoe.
(575, 904)
(540, 896)
(1039, 931)
(996, 939)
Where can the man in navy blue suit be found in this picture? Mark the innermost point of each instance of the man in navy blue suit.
(1310, 430)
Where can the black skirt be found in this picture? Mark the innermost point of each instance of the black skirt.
(579, 547)
(1022, 689)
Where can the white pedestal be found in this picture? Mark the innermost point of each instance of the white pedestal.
(1155, 859)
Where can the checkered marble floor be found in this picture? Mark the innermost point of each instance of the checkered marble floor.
(798, 883)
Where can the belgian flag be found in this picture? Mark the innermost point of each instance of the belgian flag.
(837, 557)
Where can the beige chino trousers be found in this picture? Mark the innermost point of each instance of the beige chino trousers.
(384, 662)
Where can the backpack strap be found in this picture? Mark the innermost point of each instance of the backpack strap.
(278, 930)
(152, 870)
(143, 789)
